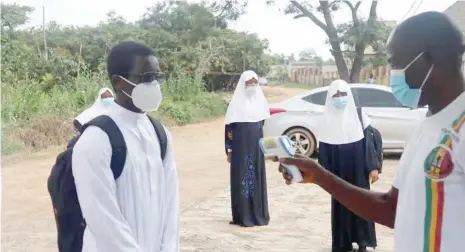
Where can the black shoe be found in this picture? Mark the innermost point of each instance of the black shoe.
(362, 249)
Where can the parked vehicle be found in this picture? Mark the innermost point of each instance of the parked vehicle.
(298, 117)
(263, 81)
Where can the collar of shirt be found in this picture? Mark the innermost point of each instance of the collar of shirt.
(126, 115)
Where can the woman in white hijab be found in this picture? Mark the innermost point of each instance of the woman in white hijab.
(342, 151)
(244, 127)
(104, 100)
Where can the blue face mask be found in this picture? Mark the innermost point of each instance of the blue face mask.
(108, 101)
(340, 102)
(409, 97)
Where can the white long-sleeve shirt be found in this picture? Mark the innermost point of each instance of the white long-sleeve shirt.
(140, 210)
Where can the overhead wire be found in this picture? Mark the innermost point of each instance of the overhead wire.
(410, 9)
(418, 6)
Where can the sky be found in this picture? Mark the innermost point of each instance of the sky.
(285, 34)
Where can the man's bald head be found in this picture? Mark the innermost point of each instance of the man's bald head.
(438, 44)
(431, 33)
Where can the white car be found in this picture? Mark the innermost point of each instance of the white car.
(298, 117)
(263, 81)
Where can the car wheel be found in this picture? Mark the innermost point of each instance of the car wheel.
(303, 141)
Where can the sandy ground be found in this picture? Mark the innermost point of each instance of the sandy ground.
(300, 219)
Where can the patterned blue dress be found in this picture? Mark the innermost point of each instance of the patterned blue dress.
(249, 202)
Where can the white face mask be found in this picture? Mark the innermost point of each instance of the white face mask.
(145, 96)
(250, 90)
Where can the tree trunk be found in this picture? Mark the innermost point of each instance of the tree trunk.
(330, 30)
(334, 41)
(358, 62)
(341, 65)
(363, 38)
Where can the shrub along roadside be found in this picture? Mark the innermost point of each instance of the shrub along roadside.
(33, 119)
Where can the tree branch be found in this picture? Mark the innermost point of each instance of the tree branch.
(299, 16)
(307, 13)
(372, 15)
(354, 10)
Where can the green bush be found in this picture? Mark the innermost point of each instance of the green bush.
(33, 118)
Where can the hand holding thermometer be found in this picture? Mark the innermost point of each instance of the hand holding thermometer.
(282, 148)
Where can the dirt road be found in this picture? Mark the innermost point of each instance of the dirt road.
(300, 219)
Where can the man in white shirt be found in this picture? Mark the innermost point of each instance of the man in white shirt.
(139, 211)
(426, 204)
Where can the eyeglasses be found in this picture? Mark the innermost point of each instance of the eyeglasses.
(160, 77)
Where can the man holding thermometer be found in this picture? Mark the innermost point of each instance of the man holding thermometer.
(426, 203)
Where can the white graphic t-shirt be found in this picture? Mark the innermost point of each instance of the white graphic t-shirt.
(431, 181)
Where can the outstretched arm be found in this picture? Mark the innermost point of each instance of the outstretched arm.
(374, 206)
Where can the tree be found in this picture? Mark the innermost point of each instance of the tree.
(329, 62)
(310, 55)
(362, 30)
(13, 16)
(189, 39)
(227, 10)
(377, 42)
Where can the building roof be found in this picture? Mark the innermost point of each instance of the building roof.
(456, 12)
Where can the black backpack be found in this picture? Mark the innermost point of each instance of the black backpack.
(373, 146)
(68, 216)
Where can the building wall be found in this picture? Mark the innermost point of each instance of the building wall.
(314, 75)
(456, 13)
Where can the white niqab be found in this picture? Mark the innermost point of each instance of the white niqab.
(245, 107)
(95, 110)
(341, 125)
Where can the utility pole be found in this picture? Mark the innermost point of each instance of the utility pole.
(45, 36)
(79, 60)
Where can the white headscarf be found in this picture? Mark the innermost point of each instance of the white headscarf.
(246, 107)
(95, 110)
(341, 125)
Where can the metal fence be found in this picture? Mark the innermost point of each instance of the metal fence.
(315, 76)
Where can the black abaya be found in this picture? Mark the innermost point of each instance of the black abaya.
(249, 202)
(347, 161)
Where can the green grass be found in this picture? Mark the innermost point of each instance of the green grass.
(33, 119)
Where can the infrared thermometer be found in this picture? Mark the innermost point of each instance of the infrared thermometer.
(282, 148)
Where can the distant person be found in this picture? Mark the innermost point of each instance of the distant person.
(123, 168)
(342, 152)
(244, 127)
(104, 100)
(426, 203)
(371, 80)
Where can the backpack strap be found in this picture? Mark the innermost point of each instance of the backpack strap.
(118, 145)
(360, 117)
(161, 134)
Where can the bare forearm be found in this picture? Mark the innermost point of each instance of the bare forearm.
(374, 206)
